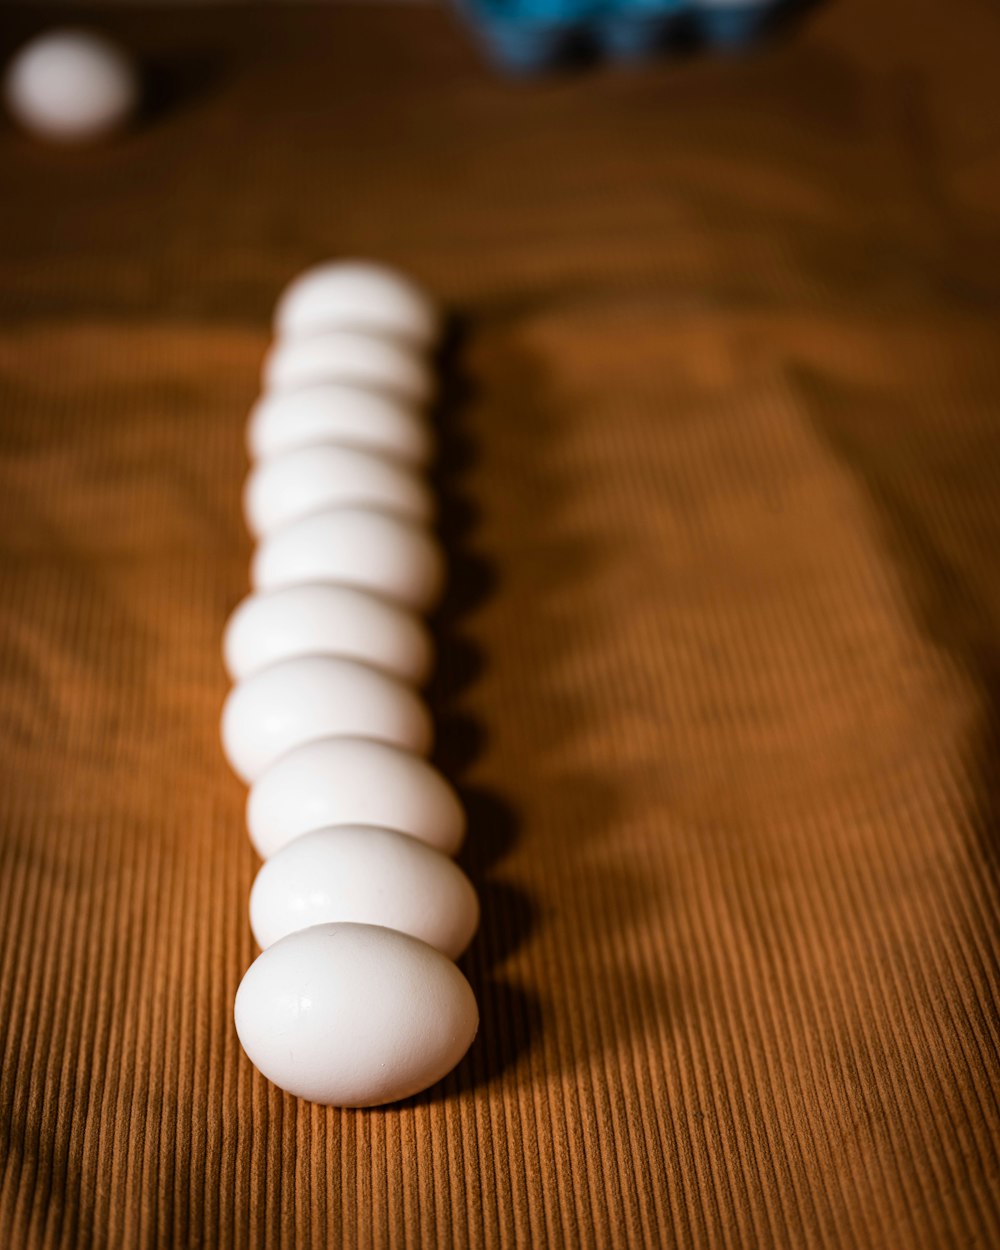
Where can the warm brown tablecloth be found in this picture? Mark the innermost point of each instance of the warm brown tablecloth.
(720, 669)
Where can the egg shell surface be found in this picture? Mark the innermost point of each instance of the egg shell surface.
(356, 547)
(357, 295)
(354, 1015)
(348, 416)
(294, 701)
(353, 781)
(72, 86)
(288, 487)
(346, 356)
(368, 876)
(324, 618)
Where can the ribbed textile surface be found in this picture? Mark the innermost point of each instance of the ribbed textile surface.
(719, 671)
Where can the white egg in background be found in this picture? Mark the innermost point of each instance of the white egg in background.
(294, 701)
(323, 618)
(315, 479)
(72, 86)
(357, 547)
(346, 356)
(368, 876)
(349, 416)
(354, 1015)
(357, 295)
(353, 781)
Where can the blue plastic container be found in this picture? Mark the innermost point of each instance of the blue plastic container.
(635, 29)
(731, 23)
(528, 36)
(531, 36)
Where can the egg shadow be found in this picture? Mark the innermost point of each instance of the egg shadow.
(172, 82)
(509, 1016)
(584, 985)
(584, 1016)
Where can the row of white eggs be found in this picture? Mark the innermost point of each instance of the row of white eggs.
(358, 908)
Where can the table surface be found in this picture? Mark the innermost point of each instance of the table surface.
(719, 667)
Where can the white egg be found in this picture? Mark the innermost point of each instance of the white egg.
(357, 295)
(323, 618)
(317, 696)
(72, 85)
(353, 781)
(346, 356)
(354, 1015)
(350, 416)
(315, 479)
(357, 547)
(366, 875)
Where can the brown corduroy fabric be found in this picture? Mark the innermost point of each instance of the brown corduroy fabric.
(718, 673)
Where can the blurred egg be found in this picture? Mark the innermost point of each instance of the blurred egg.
(350, 416)
(353, 781)
(366, 875)
(357, 295)
(355, 546)
(314, 479)
(348, 357)
(317, 696)
(323, 618)
(354, 1015)
(72, 85)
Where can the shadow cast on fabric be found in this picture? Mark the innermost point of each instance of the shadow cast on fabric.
(594, 999)
(179, 80)
(510, 1017)
(602, 996)
(950, 573)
